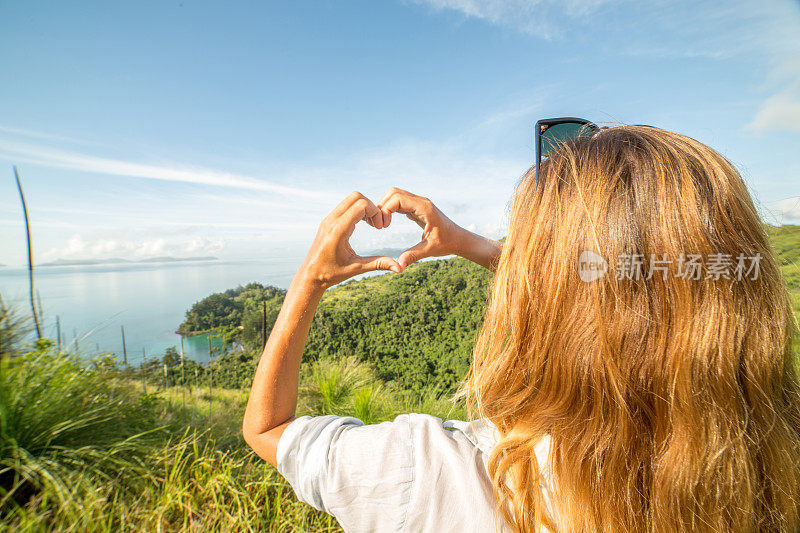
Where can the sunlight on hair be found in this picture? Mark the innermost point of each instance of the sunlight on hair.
(671, 403)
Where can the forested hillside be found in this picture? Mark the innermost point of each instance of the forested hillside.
(157, 447)
(786, 242)
(416, 329)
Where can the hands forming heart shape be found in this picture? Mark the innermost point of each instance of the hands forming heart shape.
(332, 260)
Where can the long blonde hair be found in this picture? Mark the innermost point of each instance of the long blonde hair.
(671, 403)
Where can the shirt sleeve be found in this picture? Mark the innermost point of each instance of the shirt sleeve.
(361, 474)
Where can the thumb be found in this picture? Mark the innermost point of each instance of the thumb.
(379, 262)
(415, 253)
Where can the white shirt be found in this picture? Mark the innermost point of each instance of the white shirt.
(415, 473)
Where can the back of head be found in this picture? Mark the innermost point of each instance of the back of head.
(638, 318)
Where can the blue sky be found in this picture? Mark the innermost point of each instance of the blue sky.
(231, 128)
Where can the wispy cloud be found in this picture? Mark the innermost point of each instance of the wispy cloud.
(777, 36)
(779, 112)
(787, 211)
(78, 247)
(463, 173)
(694, 29)
(534, 17)
(162, 222)
(22, 132)
(59, 158)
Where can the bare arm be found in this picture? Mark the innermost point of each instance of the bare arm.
(480, 250)
(273, 396)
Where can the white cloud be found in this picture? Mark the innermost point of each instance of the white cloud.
(80, 247)
(779, 112)
(470, 175)
(787, 211)
(694, 29)
(58, 158)
(203, 245)
(38, 134)
(778, 37)
(467, 184)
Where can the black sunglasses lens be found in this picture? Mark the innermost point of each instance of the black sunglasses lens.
(559, 133)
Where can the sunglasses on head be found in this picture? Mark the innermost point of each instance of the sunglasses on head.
(551, 132)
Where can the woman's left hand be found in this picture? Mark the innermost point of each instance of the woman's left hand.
(331, 259)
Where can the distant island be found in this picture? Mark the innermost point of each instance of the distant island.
(389, 252)
(118, 260)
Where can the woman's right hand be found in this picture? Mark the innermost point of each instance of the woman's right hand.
(440, 235)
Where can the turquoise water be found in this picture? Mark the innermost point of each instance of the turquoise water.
(150, 300)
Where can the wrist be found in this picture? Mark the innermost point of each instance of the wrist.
(465, 242)
(478, 249)
(307, 283)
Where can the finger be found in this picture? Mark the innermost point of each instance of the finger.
(418, 221)
(407, 205)
(377, 219)
(396, 196)
(376, 222)
(419, 251)
(378, 262)
(391, 192)
(400, 201)
(360, 209)
(373, 217)
(414, 208)
(345, 204)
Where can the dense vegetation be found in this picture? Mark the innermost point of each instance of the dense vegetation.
(103, 447)
(786, 242)
(93, 448)
(417, 329)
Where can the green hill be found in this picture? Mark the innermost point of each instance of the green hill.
(107, 447)
(786, 243)
(417, 328)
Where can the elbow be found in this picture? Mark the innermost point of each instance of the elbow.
(253, 439)
(263, 443)
(248, 433)
(261, 432)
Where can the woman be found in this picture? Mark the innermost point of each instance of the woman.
(633, 372)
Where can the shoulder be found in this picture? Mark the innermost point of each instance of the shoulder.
(361, 474)
(452, 489)
(313, 443)
(432, 432)
(452, 485)
(479, 434)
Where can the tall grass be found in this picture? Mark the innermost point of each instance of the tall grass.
(63, 430)
(13, 329)
(83, 449)
(347, 386)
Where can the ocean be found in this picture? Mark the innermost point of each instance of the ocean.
(149, 299)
